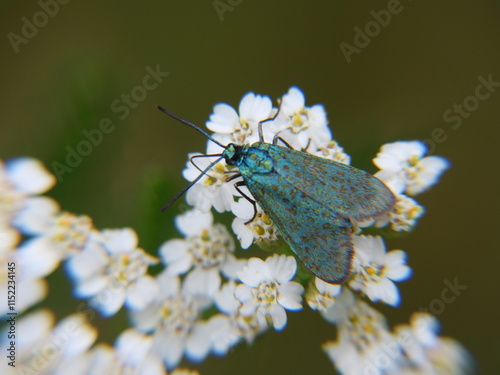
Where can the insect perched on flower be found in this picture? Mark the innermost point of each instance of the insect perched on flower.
(314, 202)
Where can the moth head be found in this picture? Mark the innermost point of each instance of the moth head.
(233, 153)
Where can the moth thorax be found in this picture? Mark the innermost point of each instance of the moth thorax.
(258, 160)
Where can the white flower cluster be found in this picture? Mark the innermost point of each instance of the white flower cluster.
(365, 345)
(206, 300)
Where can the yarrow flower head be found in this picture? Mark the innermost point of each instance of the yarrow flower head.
(267, 289)
(170, 317)
(207, 251)
(231, 127)
(113, 271)
(405, 214)
(251, 227)
(45, 349)
(302, 127)
(374, 270)
(406, 211)
(405, 162)
(21, 180)
(322, 295)
(239, 325)
(132, 354)
(29, 288)
(332, 150)
(362, 336)
(424, 349)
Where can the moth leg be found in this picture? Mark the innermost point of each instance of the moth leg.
(278, 138)
(307, 146)
(254, 204)
(234, 176)
(261, 135)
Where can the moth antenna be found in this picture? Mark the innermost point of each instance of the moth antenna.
(186, 122)
(186, 188)
(201, 156)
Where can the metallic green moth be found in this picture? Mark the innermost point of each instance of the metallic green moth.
(313, 202)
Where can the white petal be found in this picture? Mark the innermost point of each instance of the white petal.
(223, 119)
(29, 175)
(91, 286)
(200, 197)
(133, 347)
(232, 266)
(120, 240)
(390, 293)
(435, 164)
(170, 347)
(223, 336)
(255, 107)
(326, 288)
(388, 163)
(146, 320)
(293, 101)
(9, 238)
(225, 299)
(243, 293)
(33, 328)
(169, 285)
(142, 292)
(109, 301)
(243, 233)
(176, 256)
(255, 272)
(89, 261)
(223, 198)
(37, 215)
(248, 307)
(392, 180)
(290, 296)
(38, 258)
(152, 365)
(30, 292)
(81, 338)
(282, 267)
(202, 282)
(199, 342)
(223, 139)
(193, 222)
(242, 209)
(396, 269)
(278, 315)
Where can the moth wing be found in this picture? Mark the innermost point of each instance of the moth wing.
(319, 237)
(351, 192)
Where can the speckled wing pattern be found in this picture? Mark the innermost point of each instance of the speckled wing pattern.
(312, 202)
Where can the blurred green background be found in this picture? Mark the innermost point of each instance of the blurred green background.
(65, 78)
